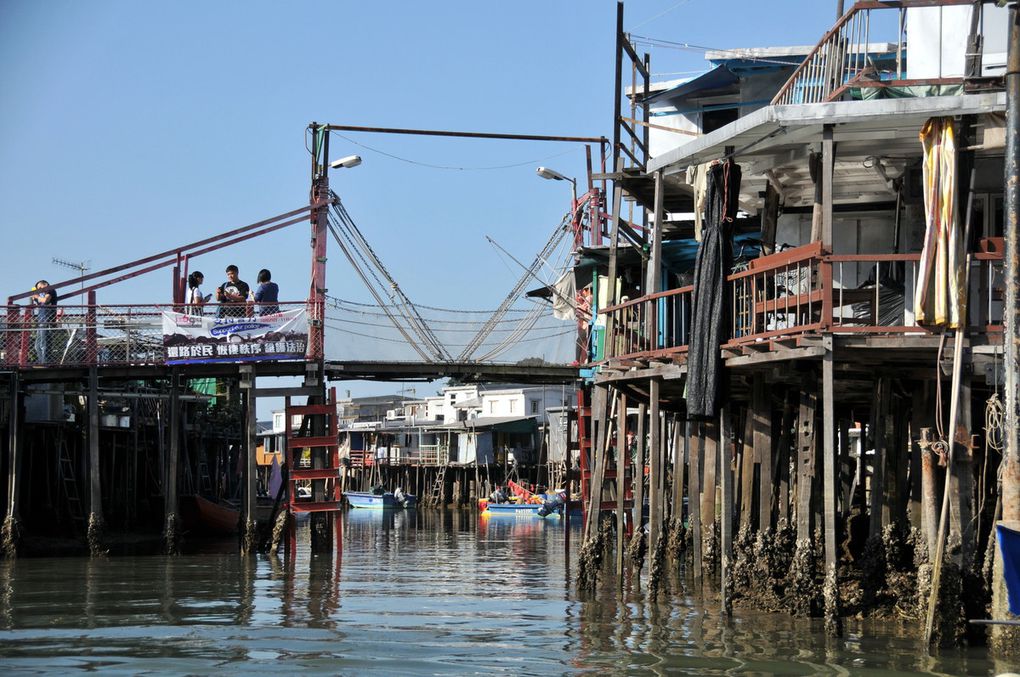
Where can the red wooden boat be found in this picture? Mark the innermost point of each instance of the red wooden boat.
(208, 517)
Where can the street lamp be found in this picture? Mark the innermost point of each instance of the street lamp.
(346, 162)
(554, 175)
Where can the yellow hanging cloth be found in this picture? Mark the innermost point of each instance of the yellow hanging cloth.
(937, 298)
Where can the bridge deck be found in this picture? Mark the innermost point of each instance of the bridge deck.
(335, 371)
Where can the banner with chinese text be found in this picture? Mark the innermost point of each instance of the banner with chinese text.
(194, 339)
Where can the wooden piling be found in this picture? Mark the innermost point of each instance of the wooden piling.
(637, 519)
(805, 463)
(761, 414)
(747, 469)
(782, 455)
(727, 507)
(249, 540)
(170, 505)
(929, 492)
(15, 441)
(711, 463)
(679, 464)
(879, 417)
(833, 621)
(655, 466)
(621, 484)
(962, 482)
(95, 525)
(694, 499)
(600, 398)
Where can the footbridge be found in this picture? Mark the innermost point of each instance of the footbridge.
(388, 338)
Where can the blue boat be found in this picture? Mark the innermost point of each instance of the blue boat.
(383, 501)
(529, 509)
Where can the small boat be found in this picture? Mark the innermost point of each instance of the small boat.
(515, 509)
(384, 501)
(208, 517)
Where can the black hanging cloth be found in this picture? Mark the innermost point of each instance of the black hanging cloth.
(710, 319)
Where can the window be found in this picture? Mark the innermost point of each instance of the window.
(513, 406)
(534, 406)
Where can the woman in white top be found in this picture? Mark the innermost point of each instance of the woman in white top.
(195, 298)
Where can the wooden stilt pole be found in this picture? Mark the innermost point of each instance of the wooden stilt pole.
(727, 508)
(601, 421)
(655, 470)
(694, 499)
(880, 405)
(9, 534)
(833, 622)
(679, 460)
(637, 518)
(170, 534)
(761, 413)
(621, 484)
(95, 526)
(249, 540)
(747, 468)
(782, 456)
(805, 463)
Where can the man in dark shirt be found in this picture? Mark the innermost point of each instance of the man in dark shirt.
(232, 295)
(45, 300)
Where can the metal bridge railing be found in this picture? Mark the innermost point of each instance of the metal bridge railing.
(846, 56)
(100, 335)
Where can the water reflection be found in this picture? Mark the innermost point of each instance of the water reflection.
(421, 592)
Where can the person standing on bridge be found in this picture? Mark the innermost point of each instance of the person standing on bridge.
(267, 294)
(45, 301)
(232, 295)
(195, 297)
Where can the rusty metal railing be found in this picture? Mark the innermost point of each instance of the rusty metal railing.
(780, 294)
(803, 291)
(99, 335)
(650, 325)
(843, 58)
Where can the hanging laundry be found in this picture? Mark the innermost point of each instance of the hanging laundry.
(697, 176)
(937, 299)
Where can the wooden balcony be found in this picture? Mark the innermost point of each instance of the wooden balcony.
(803, 292)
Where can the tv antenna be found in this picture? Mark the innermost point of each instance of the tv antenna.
(81, 266)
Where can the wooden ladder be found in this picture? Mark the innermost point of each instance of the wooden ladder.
(69, 484)
(436, 497)
(329, 475)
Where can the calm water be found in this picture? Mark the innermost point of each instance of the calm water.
(415, 594)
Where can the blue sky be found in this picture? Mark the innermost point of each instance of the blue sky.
(131, 127)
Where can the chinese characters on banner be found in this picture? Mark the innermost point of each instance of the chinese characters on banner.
(191, 339)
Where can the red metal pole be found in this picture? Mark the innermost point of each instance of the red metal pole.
(320, 193)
